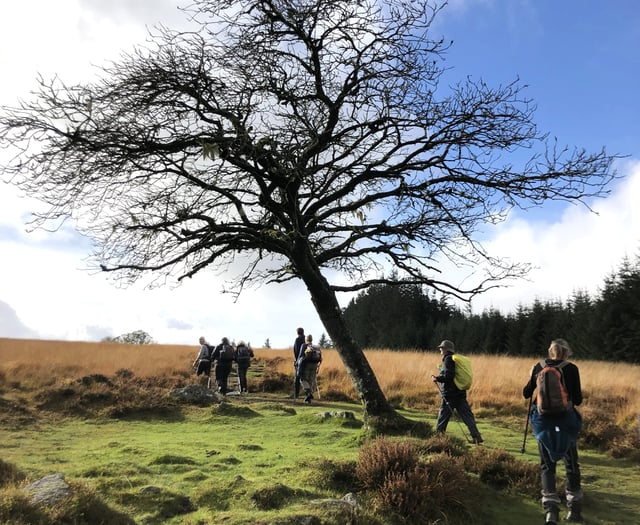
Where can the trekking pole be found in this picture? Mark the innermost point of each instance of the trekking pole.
(526, 425)
(455, 416)
(317, 386)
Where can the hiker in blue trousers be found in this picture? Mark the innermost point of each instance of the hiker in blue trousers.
(557, 432)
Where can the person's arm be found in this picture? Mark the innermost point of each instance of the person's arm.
(529, 388)
(448, 371)
(572, 380)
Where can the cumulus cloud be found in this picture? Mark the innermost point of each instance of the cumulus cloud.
(576, 251)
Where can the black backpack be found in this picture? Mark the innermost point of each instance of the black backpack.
(243, 354)
(226, 353)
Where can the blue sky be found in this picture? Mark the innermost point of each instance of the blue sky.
(579, 58)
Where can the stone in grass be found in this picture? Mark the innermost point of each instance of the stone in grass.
(49, 490)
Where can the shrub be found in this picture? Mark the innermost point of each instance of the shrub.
(443, 443)
(383, 456)
(427, 492)
(599, 429)
(499, 469)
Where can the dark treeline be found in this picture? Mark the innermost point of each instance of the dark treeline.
(605, 326)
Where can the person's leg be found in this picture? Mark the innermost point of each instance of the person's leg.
(218, 373)
(466, 415)
(444, 414)
(296, 384)
(307, 382)
(573, 485)
(242, 377)
(224, 377)
(550, 499)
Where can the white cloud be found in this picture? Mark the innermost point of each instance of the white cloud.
(575, 252)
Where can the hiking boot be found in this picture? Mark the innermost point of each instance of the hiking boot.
(478, 440)
(551, 517)
(574, 516)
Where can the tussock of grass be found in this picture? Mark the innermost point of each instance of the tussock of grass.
(9, 474)
(168, 459)
(231, 410)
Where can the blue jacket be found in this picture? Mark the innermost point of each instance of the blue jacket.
(556, 433)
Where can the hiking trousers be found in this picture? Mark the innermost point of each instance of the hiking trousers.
(573, 487)
(223, 369)
(242, 377)
(459, 403)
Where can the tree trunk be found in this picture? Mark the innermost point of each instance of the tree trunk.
(379, 416)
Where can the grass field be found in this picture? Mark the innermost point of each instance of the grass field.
(100, 414)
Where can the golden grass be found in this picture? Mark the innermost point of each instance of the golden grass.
(497, 386)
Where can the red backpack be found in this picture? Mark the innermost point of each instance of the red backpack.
(553, 398)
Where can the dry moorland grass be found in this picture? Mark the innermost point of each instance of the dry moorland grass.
(404, 376)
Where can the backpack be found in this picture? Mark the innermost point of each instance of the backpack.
(552, 393)
(243, 354)
(463, 374)
(312, 354)
(210, 349)
(226, 353)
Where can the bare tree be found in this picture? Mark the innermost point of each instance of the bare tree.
(302, 138)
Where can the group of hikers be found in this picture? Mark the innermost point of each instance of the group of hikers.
(307, 359)
(552, 411)
(223, 355)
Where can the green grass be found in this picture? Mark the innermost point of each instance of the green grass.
(257, 462)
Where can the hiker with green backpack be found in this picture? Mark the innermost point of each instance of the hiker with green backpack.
(556, 424)
(455, 378)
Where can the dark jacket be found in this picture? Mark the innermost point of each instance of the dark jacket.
(571, 376)
(447, 373)
(297, 346)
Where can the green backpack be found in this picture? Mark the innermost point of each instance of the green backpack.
(463, 376)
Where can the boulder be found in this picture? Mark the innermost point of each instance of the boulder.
(49, 490)
(195, 395)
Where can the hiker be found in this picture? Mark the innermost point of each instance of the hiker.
(309, 358)
(243, 357)
(453, 398)
(202, 363)
(557, 433)
(223, 355)
(297, 345)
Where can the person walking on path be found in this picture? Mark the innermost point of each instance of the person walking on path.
(297, 346)
(243, 359)
(309, 358)
(557, 433)
(202, 363)
(452, 397)
(224, 356)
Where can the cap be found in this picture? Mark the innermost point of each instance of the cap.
(447, 345)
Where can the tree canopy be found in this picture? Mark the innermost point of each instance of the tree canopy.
(293, 139)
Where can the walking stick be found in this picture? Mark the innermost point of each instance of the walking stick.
(526, 426)
(316, 380)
